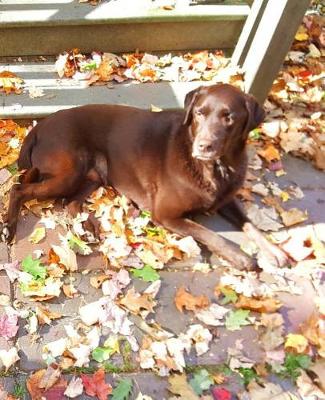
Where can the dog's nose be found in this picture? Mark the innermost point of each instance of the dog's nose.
(205, 146)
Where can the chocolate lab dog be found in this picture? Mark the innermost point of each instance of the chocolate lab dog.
(173, 163)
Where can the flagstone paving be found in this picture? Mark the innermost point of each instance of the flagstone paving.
(295, 310)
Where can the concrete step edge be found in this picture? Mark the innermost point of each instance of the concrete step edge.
(12, 16)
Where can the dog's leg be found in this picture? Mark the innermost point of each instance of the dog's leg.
(51, 188)
(214, 242)
(234, 214)
(75, 204)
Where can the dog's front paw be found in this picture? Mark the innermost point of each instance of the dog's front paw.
(274, 255)
(6, 234)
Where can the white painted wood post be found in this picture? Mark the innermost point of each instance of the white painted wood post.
(270, 44)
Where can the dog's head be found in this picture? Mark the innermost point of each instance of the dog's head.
(220, 116)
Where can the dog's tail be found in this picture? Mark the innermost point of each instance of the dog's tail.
(24, 159)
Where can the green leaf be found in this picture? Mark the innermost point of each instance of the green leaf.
(230, 296)
(248, 374)
(201, 381)
(145, 214)
(78, 245)
(294, 363)
(101, 354)
(153, 231)
(236, 319)
(34, 268)
(147, 273)
(122, 390)
(255, 134)
(37, 235)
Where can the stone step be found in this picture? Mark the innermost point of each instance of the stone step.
(67, 93)
(49, 27)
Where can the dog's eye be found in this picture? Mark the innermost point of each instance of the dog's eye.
(199, 112)
(227, 117)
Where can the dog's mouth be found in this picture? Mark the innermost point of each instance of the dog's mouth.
(212, 156)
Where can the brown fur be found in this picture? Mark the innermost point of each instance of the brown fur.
(173, 163)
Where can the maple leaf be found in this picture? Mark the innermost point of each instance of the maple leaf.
(236, 319)
(147, 273)
(184, 299)
(122, 390)
(45, 316)
(221, 394)
(95, 385)
(34, 268)
(135, 302)
(201, 381)
(55, 392)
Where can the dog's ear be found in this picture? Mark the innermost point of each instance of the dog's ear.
(189, 102)
(256, 114)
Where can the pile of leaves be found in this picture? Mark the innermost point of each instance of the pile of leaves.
(143, 67)
(295, 120)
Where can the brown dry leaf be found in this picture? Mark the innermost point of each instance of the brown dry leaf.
(245, 193)
(97, 281)
(266, 305)
(50, 377)
(54, 392)
(184, 299)
(69, 290)
(307, 388)
(178, 385)
(45, 316)
(293, 216)
(319, 370)
(261, 370)
(270, 153)
(135, 302)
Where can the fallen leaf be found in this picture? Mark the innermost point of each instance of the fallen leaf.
(45, 316)
(308, 389)
(9, 324)
(178, 385)
(221, 394)
(270, 153)
(122, 390)
(266, 305)
(201, 381)
(67, 257)
(184, 299)
(50, 377)
(293, 216)
(236, 319)
(147, 273)
(74, 388)
(297, 343)
(212, 315)
(95, 385)
(135, 302)
(37, 235)
(55, 392)
(9, 357)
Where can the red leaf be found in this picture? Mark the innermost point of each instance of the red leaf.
(95, 385)
(221, 394)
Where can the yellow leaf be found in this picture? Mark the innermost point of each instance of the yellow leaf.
(284, 196)
(293, 216)
(296, 342)
(37, 235)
